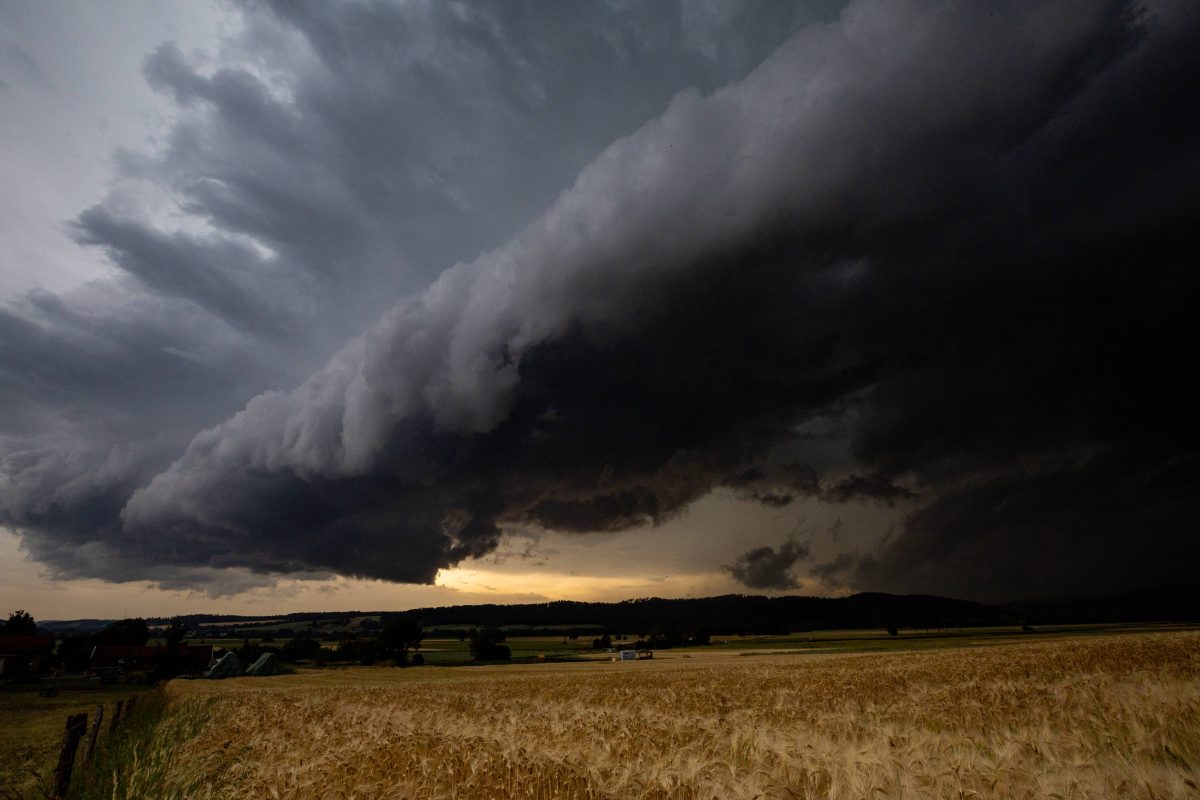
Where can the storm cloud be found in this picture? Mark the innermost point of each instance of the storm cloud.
(767, 567)
(926, 255)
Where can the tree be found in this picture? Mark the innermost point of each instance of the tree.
(126, 632)
(399, 636)
(174, 633)
(486, 645)
(300, 648)
(20, 623)
(75, 653)
(169, 664)
(249, 652)
(365, 651)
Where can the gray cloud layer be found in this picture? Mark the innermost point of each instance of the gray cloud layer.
(954, 236)
(324, 162)
(768, 567)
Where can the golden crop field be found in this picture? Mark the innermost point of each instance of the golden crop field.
(1104, 716)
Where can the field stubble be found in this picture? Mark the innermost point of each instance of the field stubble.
(1105, 716)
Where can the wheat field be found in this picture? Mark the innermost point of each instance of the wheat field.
(1105, 716)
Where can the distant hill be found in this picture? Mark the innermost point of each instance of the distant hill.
(727, 614)
(71, 627)
(1162, 604)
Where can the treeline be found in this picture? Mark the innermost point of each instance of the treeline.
(1162, 604)
(74, 651)
(222, 620)
(723, 615)
(19, 623)
(390, 643)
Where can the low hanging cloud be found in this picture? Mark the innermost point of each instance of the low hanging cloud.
(324, 162)
(768, 568)
(955, 236)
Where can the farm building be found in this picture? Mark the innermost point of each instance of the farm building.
(24, 655)
(228, 666)
(124, 658)
(267, 664)
(629, 654)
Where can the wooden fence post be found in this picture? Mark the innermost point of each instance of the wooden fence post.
(76, 727)
(92, 732)
(112, 725)
(129, 705)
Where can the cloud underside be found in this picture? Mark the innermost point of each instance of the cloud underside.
(769, 567)
(924, 255)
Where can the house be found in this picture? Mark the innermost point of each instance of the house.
(123, 658)
(24, 655)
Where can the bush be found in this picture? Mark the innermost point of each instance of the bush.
(128, 631)
(494, 652)
(75, 653)
(301, 648)
(248, 652)
(136, 762)
(20, 623)
(486, 645)
(363, 651)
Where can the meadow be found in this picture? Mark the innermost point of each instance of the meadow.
(1112, 716)
(31, 728)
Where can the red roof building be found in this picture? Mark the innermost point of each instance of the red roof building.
(23, 655)
(126, 657)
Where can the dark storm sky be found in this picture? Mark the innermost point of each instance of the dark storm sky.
(389, 285)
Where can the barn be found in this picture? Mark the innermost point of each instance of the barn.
(24, 655)
(122, 658)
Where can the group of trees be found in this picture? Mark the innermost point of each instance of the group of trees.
(302, 648)
(488, 645)
(396, 638)
(659, 640)
(75, 651)
(724, 615)
(400, 635)
(20, 623)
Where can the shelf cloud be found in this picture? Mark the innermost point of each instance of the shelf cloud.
(953, 238)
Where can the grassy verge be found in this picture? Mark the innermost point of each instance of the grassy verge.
(137, 762)
(31, 729)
